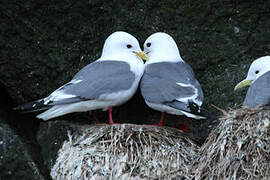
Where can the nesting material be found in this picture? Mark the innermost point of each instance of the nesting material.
(125, 152)
(239, 148)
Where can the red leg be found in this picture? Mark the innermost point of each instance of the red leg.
(110, 117)
(161, 121)
(185, 127)
(95, 117)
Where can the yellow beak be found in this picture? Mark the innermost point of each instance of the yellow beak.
(243, 83)
(142, 55)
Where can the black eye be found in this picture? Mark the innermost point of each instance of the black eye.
(256, 72)
(148, 44)
(129, 46)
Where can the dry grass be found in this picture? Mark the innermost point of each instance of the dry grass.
(238, 148)
(125, 152)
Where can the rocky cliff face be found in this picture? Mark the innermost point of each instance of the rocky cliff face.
(43, 44)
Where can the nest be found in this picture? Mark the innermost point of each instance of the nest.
(239, 148)
(125, 152)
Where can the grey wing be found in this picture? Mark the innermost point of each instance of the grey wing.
(259, 92)
(173, 84)
(93, 81)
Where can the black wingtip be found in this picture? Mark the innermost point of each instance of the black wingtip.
(194, 108)
(197, 110)
(37, 105)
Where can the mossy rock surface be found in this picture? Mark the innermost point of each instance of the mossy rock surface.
(15, 160)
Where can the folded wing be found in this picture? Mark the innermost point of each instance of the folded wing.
(172, 84)
(94, 81)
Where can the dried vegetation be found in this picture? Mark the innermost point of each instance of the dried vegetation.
(238, 148)
(125, 152)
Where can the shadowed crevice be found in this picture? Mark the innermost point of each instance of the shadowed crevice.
(25, 126)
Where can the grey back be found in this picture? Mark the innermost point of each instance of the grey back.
(158, 84)
(259, 92)
(98, 78)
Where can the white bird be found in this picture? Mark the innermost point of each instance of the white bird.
(168, 84)
(109, 81)
(258, 78)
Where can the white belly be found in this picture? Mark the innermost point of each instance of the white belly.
(171, 110)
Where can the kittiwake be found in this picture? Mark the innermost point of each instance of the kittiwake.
(258, 78)
(168, 84)
(109, 81)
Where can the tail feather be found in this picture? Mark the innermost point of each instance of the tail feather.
(200, 112)
(194, 116)
(59, 110)
(53, 112)
(33, 106)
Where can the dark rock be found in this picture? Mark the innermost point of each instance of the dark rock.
(23, 129)
(15, 160)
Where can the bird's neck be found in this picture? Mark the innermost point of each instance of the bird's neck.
(152, 60)
(160, 56)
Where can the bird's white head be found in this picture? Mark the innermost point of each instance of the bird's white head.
(256, 69)
(120, 46)
(161, 47)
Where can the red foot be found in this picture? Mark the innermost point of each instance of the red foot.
(161, 121)
(185, 127)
